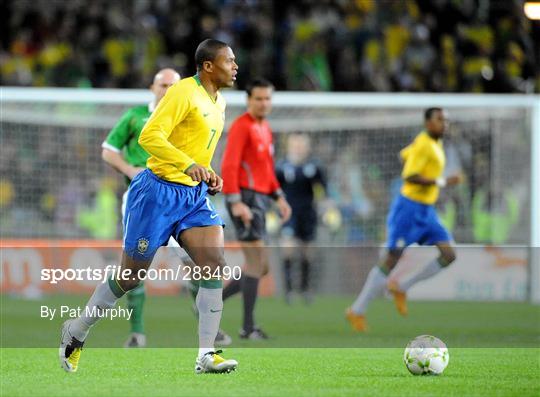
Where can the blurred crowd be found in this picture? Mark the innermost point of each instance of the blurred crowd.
(45, 193)
(322, 45)
(74, 194)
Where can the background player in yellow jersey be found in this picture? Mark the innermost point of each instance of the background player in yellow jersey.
(121, 150)
(170, 199)
(412, 218)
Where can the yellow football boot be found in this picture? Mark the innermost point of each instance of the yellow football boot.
(213, 363)
(70, 349)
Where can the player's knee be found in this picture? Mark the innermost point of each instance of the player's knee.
(265, 270)
(391, 259)
(215, 260)
(253, 269)
(264, 264)
(448, 257)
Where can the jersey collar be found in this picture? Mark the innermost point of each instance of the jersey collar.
(262, 121)
(198, 81)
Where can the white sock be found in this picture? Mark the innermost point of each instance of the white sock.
(102, 298)
(430, 270)
(375, 285)
(210, 305)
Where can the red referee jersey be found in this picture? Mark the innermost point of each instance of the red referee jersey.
(248, 159)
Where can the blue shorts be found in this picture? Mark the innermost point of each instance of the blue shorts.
(412, 222)
(157, 209)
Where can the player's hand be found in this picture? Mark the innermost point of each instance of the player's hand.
(242, 211)
(454, 180)
(215, 185)
(284, 209)
(198, 173)
(132, 172)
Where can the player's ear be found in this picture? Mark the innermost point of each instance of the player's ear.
(208, 66)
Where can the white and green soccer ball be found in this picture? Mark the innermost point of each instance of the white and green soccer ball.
(426, 355)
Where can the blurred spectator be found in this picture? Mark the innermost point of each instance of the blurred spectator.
(384, 45)
(101, 220)
(495, 209)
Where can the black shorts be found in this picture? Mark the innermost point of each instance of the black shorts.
(258, 203)
(302, 225)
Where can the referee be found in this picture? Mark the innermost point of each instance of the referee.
(250, 185)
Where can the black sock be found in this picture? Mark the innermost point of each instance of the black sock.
(287, 272)
(250, 286)
(304, 268)
(232, 288)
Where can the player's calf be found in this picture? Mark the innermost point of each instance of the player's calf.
(447, 258)
(448, 254)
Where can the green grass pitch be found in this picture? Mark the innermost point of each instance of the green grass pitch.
(494, 351)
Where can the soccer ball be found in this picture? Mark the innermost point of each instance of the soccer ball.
(426, 355)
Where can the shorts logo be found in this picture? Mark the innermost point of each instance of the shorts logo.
(142, 245)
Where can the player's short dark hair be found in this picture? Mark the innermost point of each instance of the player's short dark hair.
(258, 83)
(428, 113)
(207, 51)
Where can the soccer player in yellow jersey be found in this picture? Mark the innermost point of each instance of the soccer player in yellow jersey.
(170, 199)
(412, 218)
(121, 150)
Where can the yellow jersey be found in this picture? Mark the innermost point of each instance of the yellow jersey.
(424, 157)
(183, 129)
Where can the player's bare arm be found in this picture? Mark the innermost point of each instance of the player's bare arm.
(448, 181)
(284, 208)
(242, 211)
(116, 161)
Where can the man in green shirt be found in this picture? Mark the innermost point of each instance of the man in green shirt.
(122, 151)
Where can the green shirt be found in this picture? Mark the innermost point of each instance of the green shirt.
(124, 136)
